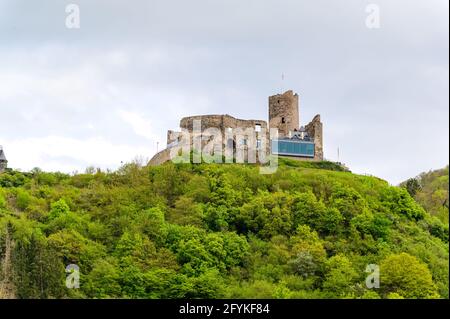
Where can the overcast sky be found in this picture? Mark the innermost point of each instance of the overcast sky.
(109, 91)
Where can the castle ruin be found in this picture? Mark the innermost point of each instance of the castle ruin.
(3, 160)
(293, 140)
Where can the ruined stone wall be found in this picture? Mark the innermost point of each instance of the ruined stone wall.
(3, 161)
(210, 124)
(284, 113)
(219, 121)
(223, 123)
(171, 137)
(315, 130)
(160, 158)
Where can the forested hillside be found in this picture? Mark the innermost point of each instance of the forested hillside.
(217, 231)
(430, 189)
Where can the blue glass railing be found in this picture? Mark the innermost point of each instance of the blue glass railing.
(293, 148)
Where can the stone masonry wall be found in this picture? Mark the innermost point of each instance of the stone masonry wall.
(284, 108)
(315, 130)
(160, 158)
(222, 123)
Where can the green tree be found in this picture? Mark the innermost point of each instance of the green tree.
(340, 276)
(407, 276)
(412, 186)
(58, 209)
(266, 215)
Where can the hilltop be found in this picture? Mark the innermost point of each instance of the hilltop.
(310, 230)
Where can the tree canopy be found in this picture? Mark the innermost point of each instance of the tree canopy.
(219, 231)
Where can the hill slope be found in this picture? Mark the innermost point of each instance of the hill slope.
(210, 231)
(430, 189)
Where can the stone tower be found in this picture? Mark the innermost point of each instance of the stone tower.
(283, 113)
(3, 161)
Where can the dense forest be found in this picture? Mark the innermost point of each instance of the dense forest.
(310, 230)
(430, 189)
